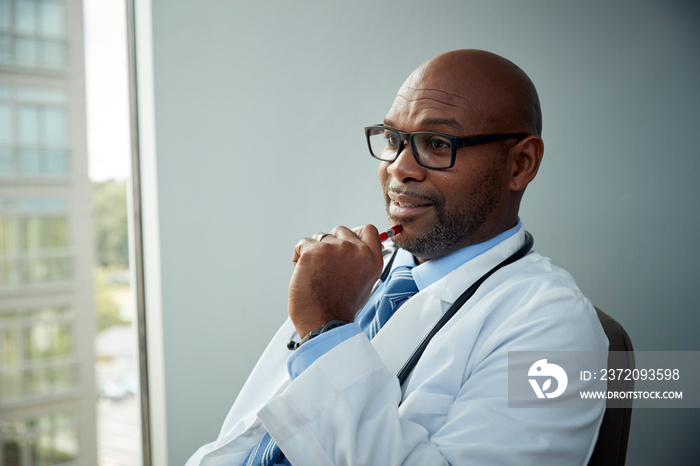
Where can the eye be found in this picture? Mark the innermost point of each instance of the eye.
(436, 143)
(392, 139)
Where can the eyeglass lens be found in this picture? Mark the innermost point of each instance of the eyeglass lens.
(432, 149)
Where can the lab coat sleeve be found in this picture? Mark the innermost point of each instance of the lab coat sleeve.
(342, 410)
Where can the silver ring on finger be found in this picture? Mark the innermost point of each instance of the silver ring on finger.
(321, 236)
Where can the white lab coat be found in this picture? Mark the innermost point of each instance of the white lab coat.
(347, 408)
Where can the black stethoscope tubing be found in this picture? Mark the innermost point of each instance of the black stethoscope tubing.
(456, 306)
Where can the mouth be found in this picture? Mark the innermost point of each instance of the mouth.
(405, 206)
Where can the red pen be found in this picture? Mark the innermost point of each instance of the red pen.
(385, 235)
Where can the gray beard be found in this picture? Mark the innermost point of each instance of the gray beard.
(452, 228)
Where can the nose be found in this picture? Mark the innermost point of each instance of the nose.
(406, 166)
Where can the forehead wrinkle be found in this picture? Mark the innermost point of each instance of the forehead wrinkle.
(428, 98)
(423, 89)
(430, 121)
(443, 96)
(418, 99)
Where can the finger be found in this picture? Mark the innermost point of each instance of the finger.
(369, 235)
(366, 234)
(345, 234)
(307, 244)
(303, 245)
(358, 230)
(368, 230)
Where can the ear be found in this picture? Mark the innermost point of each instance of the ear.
(527, 156)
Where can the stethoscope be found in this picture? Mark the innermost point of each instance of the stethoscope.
(457, 305)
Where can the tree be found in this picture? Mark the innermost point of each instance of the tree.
(106, 307)
(109, 208)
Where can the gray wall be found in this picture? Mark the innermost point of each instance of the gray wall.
(259, 109)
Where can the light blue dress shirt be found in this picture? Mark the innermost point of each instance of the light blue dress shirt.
(424, 274)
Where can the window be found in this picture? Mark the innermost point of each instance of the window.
(37, 353)
(46, 440)
(33, 133)
(32, 33)
(34, 242)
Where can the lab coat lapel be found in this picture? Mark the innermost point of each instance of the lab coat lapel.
(464, 276)
(404, 331)
(406, 328)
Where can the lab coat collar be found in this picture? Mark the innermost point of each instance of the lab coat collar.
(415, 318)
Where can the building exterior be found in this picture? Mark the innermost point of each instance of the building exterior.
(47, 387)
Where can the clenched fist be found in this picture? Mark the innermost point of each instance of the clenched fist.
(333, 276)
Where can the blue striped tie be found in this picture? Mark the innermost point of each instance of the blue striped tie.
(399, 288)
(265, 453)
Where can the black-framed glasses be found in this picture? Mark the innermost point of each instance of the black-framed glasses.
(431, 150)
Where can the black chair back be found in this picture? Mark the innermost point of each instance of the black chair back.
(611, 447)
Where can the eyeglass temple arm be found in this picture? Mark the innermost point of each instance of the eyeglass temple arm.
(488, 138)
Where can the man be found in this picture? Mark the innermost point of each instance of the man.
(336, 399)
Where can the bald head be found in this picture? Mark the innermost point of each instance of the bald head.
(494, 92)
(460, 93)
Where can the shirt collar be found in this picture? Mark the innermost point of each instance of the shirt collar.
(429, 272)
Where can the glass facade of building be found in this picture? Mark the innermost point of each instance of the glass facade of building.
(49, 439)
(33, 133)
(37, 354)
(47, 388)
(33, 33)
(34, 242)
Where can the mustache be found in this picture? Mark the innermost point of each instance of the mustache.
(433, 198)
